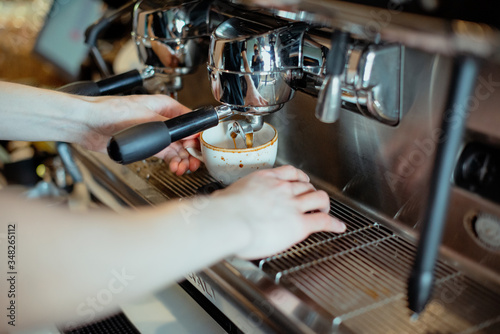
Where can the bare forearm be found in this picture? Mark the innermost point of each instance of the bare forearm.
(79, 266)
(33, 114)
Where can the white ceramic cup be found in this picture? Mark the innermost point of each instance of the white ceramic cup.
(228, 164)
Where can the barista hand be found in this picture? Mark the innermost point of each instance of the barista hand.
(125, 111)
(88, 121)
(280, 208)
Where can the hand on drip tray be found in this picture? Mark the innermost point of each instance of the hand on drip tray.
(280, 207)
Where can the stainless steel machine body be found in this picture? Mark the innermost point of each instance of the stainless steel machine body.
(375, 161)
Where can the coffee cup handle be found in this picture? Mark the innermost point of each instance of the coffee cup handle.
(195, 153)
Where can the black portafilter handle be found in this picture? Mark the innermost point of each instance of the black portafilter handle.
(115, 84)
(144, 140)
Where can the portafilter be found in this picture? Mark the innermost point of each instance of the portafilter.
(237, 82)
(251, 65)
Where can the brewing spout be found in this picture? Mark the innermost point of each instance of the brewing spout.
(255, 121)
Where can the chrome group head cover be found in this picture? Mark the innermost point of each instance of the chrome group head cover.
(252, 65)
(172, 36)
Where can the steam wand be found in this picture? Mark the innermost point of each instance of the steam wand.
(421, 278)
(116, 84)
(329, 99)
(97, 28)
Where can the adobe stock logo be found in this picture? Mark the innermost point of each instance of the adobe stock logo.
(92, 305)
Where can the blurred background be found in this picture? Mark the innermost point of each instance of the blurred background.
(20, 23)
(42, 44)
(42, 41)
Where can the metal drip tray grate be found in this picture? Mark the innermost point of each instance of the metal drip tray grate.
(360, 277)
(171, 186)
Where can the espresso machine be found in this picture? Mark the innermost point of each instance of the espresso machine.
(388, 106)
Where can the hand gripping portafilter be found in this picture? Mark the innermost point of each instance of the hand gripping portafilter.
(145, 140)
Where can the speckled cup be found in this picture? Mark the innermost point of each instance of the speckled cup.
(228, 164)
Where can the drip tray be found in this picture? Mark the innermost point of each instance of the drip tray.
(360, 278)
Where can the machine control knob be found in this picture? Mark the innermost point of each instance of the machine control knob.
(478, 170)
(487, 228)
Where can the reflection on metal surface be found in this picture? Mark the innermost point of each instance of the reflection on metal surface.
(379, 82)
(172, 38)
(242, 129)
(256, 68)
(251, 66)
(372, 81)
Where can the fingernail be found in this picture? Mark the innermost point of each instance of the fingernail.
(341, 226)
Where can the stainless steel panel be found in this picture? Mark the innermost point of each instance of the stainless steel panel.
(357, 153)
(393, 23)
(388, 168)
